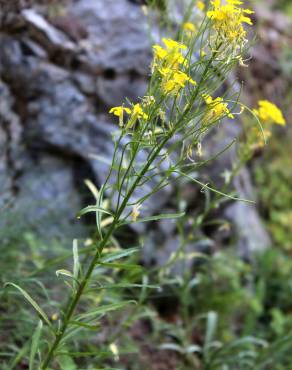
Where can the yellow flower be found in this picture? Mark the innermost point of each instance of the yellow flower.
(217, 108)
(229, 18)
(136, 113)
(176, 81)
(269, 112)
(159, 52)
(189, 28)
(166, 72)
(119, 112)
(173, 45)
(200, 5)
(169, 56)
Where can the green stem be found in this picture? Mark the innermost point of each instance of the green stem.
(72, 305)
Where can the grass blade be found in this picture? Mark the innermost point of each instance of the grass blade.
(106, 308)
(155, 218)
(76, 263)
(32, 302)
(120, 254)
(35, 344)
(89, 209)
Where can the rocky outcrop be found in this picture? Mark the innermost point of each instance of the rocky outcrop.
(63, 65)
(64, 71)
(10, 146)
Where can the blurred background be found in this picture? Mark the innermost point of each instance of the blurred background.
(63, 65)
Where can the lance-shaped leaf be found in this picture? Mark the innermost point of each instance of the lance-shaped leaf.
(89, 209)
(162, 216)
(35, 344)
(102, 310)
(76, 265)
(32, 302)
(119, 254)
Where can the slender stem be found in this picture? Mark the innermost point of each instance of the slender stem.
(83, 283)
(72, 305)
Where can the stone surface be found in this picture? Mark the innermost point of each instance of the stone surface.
(10, 147)
(47, 202)
(63, 67)
(251, 235)
(64, 108)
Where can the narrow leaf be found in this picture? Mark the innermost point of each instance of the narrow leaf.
(128, 285)
(122, 266)
(155, 218)
(212, 319)
(84, 325)
(120, 254)
(64, 272)
(206, 186)
(35, 344)
(76, 263)
(89, 209)
(98, 214)
(92, 188)
(19, 356)
(104, 309)
(32, 302)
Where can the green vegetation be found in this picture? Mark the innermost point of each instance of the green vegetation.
(274, 178)
(98, 307)
(222, 311)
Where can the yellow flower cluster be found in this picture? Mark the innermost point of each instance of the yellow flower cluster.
(174, 80)
(119, 112)
(200, 5)
(189, 28)
(170, 56)
(135, 113)
(269, 113)
(229, 18)
(168, 61)
(216, 108)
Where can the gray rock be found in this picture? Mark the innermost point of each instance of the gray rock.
(117, 36)
(251, 234)
(43, 29)
(49, 198)
(65, 74)
(252, 237)
(10, 147)
(59, 115)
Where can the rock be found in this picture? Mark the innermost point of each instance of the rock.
(252, 237)
(113, 91)
(43, 29)
(250, 232)
(37, 195)
(10, 147)
(86, 83)
(48, 200)
(64, 72)
(59, 115)
(117, 36)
